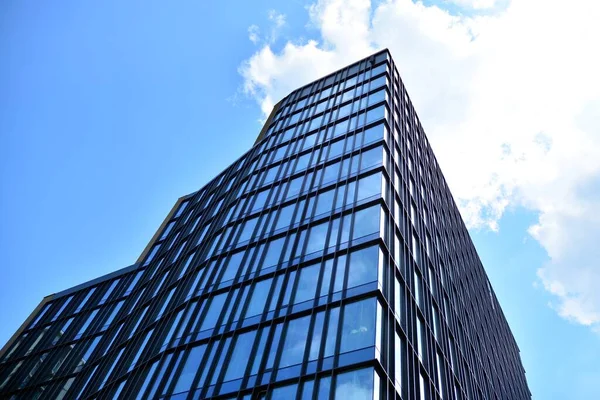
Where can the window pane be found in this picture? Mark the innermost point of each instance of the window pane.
(316, 238)
(191, 367)
(307, 283)
(363, 266)
(214, 311)
(259, 298)
(334, 315)
(324, 388)
(273, 252)
(284, 392)
(295, 341)
(371, 157)
(358, 329)
(355, 385)
(248, 229)
(325, 202)
(369, 186)
(366, 222)
(285, 217)
(240, 356)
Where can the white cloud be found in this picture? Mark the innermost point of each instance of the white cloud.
(510, 102)
(475, 4)
(254, 34)
(276, 22)
(277, 18)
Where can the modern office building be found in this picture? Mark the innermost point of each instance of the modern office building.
(329, 261)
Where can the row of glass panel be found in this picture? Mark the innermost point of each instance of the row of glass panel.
(275, 350)
(292, 188)
(319, 155)
(296, 287)
(277, 145)
(361, 268)
(290, 113)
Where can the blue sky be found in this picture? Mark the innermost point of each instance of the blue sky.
(111, 111)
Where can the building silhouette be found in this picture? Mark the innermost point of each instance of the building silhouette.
(329, 261)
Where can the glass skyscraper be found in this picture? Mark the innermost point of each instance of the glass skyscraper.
(329, 261)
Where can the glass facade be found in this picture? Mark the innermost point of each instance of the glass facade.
(329, 261)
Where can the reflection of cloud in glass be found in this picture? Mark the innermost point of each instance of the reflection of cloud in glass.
(316, 239)
(355, 385)
(363, 266)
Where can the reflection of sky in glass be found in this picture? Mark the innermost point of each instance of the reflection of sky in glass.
(355, 385)
(363, 266)
(295, 341)
(316, 239)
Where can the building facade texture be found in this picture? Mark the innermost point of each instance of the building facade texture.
(329, 261)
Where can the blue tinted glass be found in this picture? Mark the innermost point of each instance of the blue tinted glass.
(259, 298)
(325, 93)
(374, 133)
(376, 97)
(87, 323)
(241, 355)
(295, 341)
(280, 153)
(273, 345)
(331, 337)
(88, 353)
(366, 222)
(302, 162)
(307, 283)
(284, 392)
(309, 141)
(233, 265)
(114, 313)
(216, 306)
(371, 157)
(378, 82)
(375, 114)
(369, 186)
(160, 376)
(271, 174)
(351, 81)
(363, 266)
(315, 123)
(326, 277)
(148, 374)
(220, 361)
(344, 110)
(307, 390)
(261, 199)
(321, 106)
(336, 149)
(315, 344)
(324, 388)
(358, 328)
(347, 95)
(287, 134)
(273, 252)
(294, 118)
(330, 173)
(316, 238)
(325, 202)
(340, 128)
(260, 350)
(355, 385)
(340, 272)
(285, 216)
(248, 229)
(294, 186)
